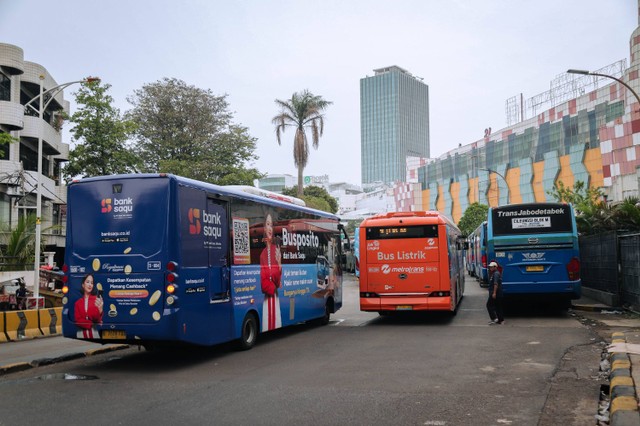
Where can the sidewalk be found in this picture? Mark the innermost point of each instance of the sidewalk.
(624, 359)
(29, 353)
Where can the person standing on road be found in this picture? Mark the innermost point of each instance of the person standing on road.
(494, 303)
(21, 296)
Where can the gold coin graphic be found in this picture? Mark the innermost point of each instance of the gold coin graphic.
(154, 297)
(133, 311)
(96, 264)
(127, 250)
(156, 316)
(127, 269)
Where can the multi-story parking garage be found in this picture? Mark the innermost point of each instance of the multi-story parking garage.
(585, 128)
(20, 83)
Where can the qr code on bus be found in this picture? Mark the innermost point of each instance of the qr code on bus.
(241, 252)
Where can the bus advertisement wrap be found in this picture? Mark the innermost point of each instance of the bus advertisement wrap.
(160, 254)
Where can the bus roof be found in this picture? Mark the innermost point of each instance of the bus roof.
(422, 216)
(229, 191)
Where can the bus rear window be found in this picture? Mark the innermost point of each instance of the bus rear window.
(393, 232)
(531, 219)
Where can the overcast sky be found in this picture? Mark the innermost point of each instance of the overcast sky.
(473, 55)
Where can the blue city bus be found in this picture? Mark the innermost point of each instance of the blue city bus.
(154, 259)
(468, 256)
(536, 247)
(479, 253)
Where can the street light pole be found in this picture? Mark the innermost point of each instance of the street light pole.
(585, 72)
(42, 106)
(505, 182)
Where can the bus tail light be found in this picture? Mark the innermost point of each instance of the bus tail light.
(573, 269)
(484, 260)
(367, 294)
(440, 294)
(171, 282)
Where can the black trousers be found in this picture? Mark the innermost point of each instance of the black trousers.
(495, 308)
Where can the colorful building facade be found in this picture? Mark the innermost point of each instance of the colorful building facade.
(593, 138)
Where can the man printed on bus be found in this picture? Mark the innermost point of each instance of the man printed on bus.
(270, 278)
(494, 303)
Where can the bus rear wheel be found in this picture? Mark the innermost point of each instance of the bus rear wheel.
(248, 333)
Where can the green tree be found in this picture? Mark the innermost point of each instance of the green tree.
(304, 111)
(188, 131)
(593, 215)
(351, 227)
(18, 244)
(315, 197)
(578, 196)
(473, 216)
(627, 214)
(101, 135)
(5, 139)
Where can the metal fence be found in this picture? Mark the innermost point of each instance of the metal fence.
(599, 262)
(610, 263)
(630, 269)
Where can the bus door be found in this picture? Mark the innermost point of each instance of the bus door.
(216, 227)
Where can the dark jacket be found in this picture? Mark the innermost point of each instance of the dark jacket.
(495, 279)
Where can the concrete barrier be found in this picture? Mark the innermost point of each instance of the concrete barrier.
(50, 321)
(622, 390)
(22, 325)
(3, 329)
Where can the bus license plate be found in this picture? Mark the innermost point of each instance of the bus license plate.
(404, 308)
(114, 334)
(535, 268)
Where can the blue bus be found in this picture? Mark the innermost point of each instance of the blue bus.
(478, 247)
(536, 246)
(468, 256)
(153, 259)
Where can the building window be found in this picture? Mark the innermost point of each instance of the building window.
(5, 87)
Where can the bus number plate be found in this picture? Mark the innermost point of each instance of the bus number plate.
(535, 268)
(114, 334)
(404, 308)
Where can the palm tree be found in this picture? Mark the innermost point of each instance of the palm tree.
(304, 112)
(19, 244)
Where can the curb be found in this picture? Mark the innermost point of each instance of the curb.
(590, 308)
(623, 410)
(21, 366)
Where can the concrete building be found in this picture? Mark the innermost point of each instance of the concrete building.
(394, 124)
(20, 82)
(276, 182)
(590, 133)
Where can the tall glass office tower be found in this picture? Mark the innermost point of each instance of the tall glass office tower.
(394, 124)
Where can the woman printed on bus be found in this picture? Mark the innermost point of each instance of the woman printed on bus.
(88, 310)
(270, 278)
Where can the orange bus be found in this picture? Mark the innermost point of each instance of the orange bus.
(411, 261)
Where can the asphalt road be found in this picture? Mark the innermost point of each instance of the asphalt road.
(539, 368)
